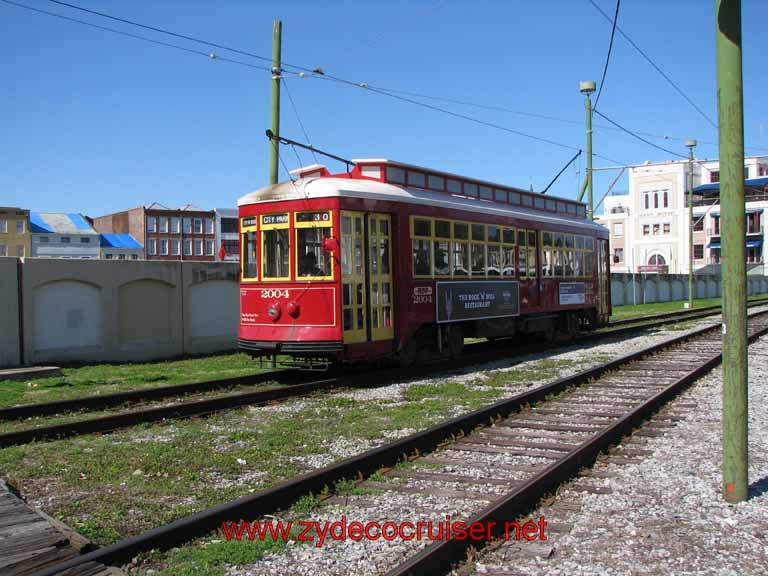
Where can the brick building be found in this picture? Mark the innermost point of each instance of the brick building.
(15, 237)
(184, 233)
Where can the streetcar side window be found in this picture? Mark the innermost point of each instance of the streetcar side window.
(250, 248)
(275, 251)
(312, 229)
(421, 247)
(508, 237)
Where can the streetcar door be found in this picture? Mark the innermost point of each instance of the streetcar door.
(353, 277)
(380, 276)
(603, 280)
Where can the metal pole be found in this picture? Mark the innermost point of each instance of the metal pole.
(734, 279)
(274, 150)
(690, 144)
(588, 105)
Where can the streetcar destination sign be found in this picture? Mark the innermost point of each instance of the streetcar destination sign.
(478, 300)
(268, 219)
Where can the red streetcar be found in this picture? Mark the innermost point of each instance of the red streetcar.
(393, 260)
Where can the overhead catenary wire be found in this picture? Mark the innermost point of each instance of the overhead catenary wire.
(655, 66)
(608, 57)
(298, 119)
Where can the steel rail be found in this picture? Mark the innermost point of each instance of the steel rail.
(479, 353)
(97, 402)
(440, 558)
(288, 492)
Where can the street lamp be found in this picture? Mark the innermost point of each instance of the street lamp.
(690, 144)
(587, 87)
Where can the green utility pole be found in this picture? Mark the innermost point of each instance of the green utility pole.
(734, 278)
(690, 144)
(586, 87)
(274, 150)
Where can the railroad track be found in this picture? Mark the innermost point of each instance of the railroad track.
(544, 436)
(295, 385)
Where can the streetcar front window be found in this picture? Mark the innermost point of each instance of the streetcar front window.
(313, 261)
(250, 252)
(276, 253)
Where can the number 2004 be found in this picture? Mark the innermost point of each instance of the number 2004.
(276, 293)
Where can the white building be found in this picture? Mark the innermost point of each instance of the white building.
(67, 235)
(649, 224)
(227, 234)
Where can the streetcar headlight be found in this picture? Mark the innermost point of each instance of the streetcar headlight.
(292, 308)
(274, 311)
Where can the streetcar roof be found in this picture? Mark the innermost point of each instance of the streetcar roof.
(328, 187)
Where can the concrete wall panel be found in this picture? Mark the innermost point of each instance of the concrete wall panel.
(211, 307)
(10, 345)
(146, 313)
(67, 316)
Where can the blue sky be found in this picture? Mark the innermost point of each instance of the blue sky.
(93, 122)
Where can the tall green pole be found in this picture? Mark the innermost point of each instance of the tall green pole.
(588, 105)
(734, 279)
(586, 87)
(274, 150)
(690, 144)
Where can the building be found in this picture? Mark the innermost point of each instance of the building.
(184, 233)
(649, 224)
(15, 237)
(227, 234)
(63, 235)
(120, 247)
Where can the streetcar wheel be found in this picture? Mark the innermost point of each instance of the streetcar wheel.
(407, 355)
(455, 341)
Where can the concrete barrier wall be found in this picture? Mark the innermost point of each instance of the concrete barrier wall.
(106, 310)
(10, 347)
(628, 289)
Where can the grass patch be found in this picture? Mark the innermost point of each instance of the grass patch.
(644, 310)
(108, 378)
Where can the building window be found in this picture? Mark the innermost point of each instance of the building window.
(657, 260)
(618, 255)
(655, 199)
(175, 247)
(714, 176)
(716, 222)
(698, 251)
(198, 247)
(187, 225)
(107, 256)
(175, 225)
(666, 199)
(19, 226)
(187, 247)
(698, 223)
(65, 239)
(134, 256)
(646, 200)
(121, 256)
(3, 226)
(209, 225)
(667, 228)
(209, 247)
(229, 225)
(198, 226)
(231, 247)
(618, 228)
(646, 229)
(656, 229)
(164, 224)
(43, 239)
(3, 250)
(20, 251)
(85, 240)
(163, 247)
(151, 224)
(152, 247)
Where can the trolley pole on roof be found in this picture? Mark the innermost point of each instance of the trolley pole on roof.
(734, 279)
(274, 145)
(586, 87)
(690, 144)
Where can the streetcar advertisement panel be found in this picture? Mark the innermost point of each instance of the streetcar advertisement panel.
(572, 293)
(478, 300)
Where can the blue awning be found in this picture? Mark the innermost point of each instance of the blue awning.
(750, 244)
(750, 183)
